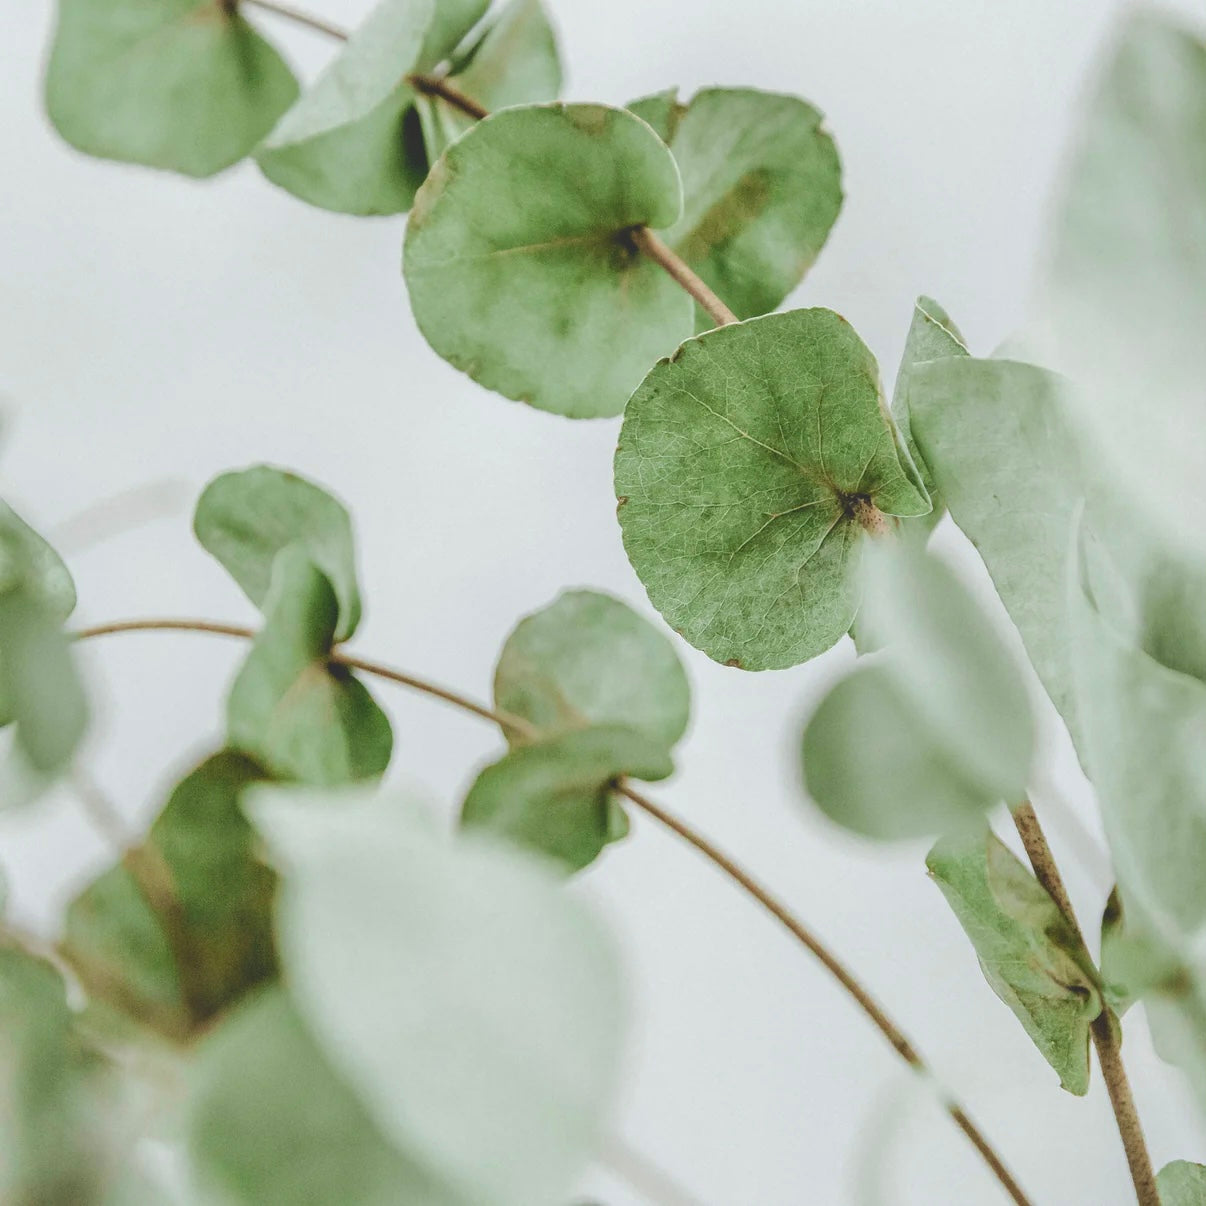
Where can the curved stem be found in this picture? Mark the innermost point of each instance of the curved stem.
(717, 857)
(1105, 1028)
(296, 15)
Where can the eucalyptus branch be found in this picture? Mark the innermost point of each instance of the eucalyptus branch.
(436, 85)
(717, 857)
(1105, 1028)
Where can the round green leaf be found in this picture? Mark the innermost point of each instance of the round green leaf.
(470, 1002)
(246, 518)
(588, 659)
(514, 62)
(1182, 1183)
(741, 462)
(761, 191)
(344, 145)
(186, 85)
(556, 797)
(520, 264)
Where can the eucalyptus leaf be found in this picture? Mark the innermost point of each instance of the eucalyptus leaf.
(662, 110)
(300, 713)
(520, 262)
(270, 1122)
(117, 942)
(471, 1004)
(556, 797)
(742, 464)
(452, 21)
(346, 145)
(761, 191)
(246, 518)
(27, 561)
(514, 62)
(1182, 1184)
(1029, 953)
(186, 85)
(588, 659)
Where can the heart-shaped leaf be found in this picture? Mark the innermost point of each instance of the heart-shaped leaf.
(761, 191)
(186, 85)
(588, 659)
(520, 262)
(744, 464)
(1030, 955)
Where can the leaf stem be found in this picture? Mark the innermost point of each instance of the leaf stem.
(296, 15)
(717, 857)
(652, 246)
(1105, 1029)
(436, 85)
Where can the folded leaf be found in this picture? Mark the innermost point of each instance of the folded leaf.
(246, 518)
(761, 191)
(294, 709)
(742, 465)
(1030, 956)
(186, 85)
(469, 1002)
(520, 263)
(555, 797)
(587, 659)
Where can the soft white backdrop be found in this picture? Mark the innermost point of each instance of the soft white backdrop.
(155, 327)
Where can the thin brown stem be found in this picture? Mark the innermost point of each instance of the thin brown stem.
(296, 15)
(651, 245)
(716, 856)
(436, 85)
(1105, 1029)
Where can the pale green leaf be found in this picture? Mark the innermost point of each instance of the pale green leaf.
(1030, 956)
(270, 1123)
(520, 263)
(761, 191)
(451, 23)
(1182, 1184)
(1134, 962)
(186, 85)
(556, 797)
(245, 518)
(741, 463)
(301, 714)
(588, 659)
(662, 110)
(471, 1003)
(27, 560)
(116, 941)
(514, 62)
(1124, 295)
(346, 144)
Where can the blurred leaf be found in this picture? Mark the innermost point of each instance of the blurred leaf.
(740, 465)
(343, 146)
(761, 191)
(514, 62)
(588, 659)
(27, 560)
(1134, 962)
(1182, 1184)
(537, 204)
(556, 797)
(186, 85)
(662, 110)
(1124, 298)
(302, 715)
(246, 518)
(451, 23)
(469, 1001)
(1028, 952)
(270, 1123)
(117, 942)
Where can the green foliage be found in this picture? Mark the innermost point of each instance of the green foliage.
(513, 62)
(1182, 1184)
(471, 1005)
(761, 190)
(556, 796)
(346, 145)
(741, 467)
(538, 203)
(186, 85)
(301, 714)
(587, 659)
(246, 518)
(202, 850)
(1030, 956)
(935, 734)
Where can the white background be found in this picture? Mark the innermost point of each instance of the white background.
(154, 327)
